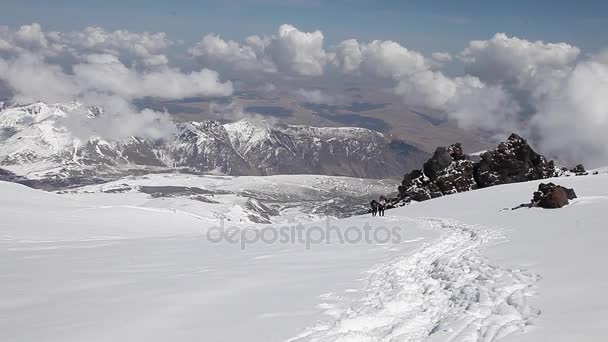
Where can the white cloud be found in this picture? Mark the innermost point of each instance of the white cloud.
(143, 47)
(467, 99)
(416, 81)
(101, 79)
(27, 39)
(572, 119)
(298, 52)
(385, 59)
(441, 56)
(518, 63)
(34, 80)
(553, 97)
(106, 73)
(290, 51)
(242, 57)
(347, 56)
(538, 89)
(31, 36)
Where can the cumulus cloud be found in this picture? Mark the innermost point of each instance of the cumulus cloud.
(106, 73)
(142, 47)
(527, 70)
(347, 56)
(148, 47)
(249, 56)
(289, 50)
(385, 59)
(32, 79)
(298, 52)
(541, 90)
(571, 120)
(417, 81)
(100, 79)
(559, 99)
(31, 36)
(511, 60)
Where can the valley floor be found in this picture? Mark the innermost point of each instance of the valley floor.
(461, 268)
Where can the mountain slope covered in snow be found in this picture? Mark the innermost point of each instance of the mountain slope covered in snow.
(465, 268)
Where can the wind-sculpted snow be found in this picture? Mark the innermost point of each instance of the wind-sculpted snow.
(445, 291)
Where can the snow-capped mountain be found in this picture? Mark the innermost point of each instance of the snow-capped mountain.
(35, 142)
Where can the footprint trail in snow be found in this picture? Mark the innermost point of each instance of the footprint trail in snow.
(445, 291)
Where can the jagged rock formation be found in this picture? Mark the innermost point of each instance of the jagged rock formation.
(35, 143)
(450, 171)
(551, 196)
(511, 162)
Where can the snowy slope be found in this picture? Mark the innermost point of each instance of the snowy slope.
(75, 268)
(496, 273)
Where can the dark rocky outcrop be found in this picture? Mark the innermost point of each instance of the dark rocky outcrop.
(551, 196)
(511, 162)
(579, 170)
(450, 170)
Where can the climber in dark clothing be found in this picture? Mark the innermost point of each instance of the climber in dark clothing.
(381, 206)
(374, 205)
(380, 209)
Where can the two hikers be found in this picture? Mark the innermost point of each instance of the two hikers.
(378, 206)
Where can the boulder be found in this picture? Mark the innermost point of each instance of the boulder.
(551, 196)
(579, 170)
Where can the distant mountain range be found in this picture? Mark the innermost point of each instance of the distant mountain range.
(35, 143)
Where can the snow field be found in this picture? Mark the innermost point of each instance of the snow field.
(445, 290)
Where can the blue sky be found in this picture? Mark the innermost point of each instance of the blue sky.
(426, 26)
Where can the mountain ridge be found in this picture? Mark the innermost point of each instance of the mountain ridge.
(35, 143)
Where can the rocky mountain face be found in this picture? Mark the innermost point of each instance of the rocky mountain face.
(450, 171)
(35, 144)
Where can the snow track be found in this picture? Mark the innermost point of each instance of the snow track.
(445, 291)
